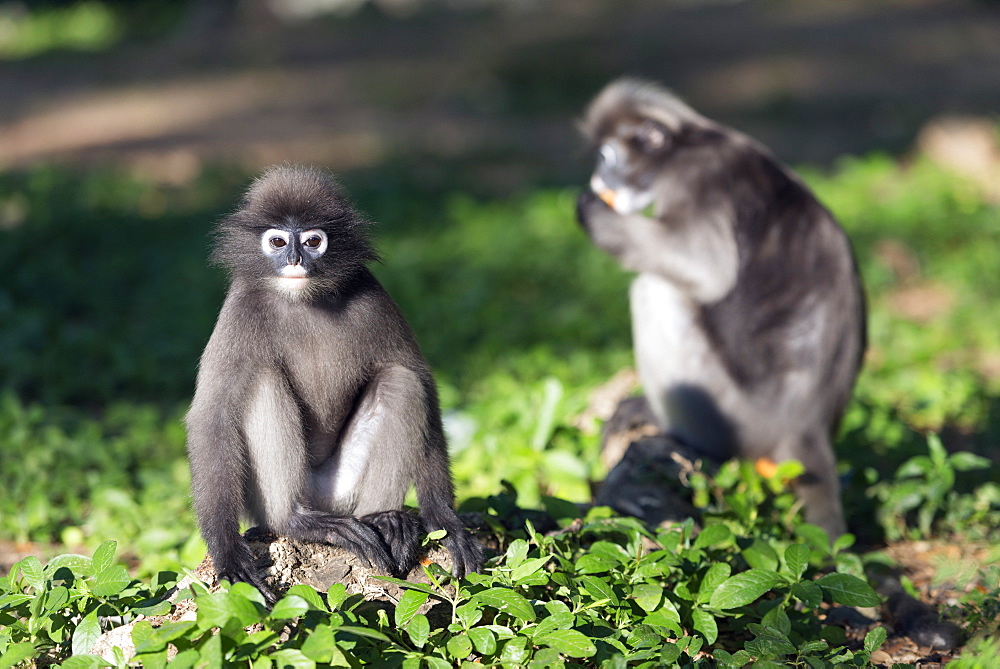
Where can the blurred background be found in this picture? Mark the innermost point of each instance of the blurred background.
(128, 127)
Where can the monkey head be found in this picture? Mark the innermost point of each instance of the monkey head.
(635, 128)
(295, 232)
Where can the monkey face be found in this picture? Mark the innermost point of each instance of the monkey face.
(626, 163)
(293, 254)
(296, 234)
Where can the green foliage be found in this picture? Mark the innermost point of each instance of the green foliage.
(521, 318)
(925, 484)
(82, 26)
(57, 610)
(609, 593)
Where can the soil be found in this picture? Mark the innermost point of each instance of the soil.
(498, 88)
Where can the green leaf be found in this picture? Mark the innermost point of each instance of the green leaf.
(591, 563)
(743, 588)
(713, 578)
(778, 619)
(815, 537)
(516, 552)
(292, 657)
(460, 646)
(218, 608)
(85, 662)
(527, 568)
(796, 560)
(551, 622)
(16, 653)
(484, 641)
(321, 647)
(964, 461)
(365, 632)
(713, 535)
(86, 634)
(336, 595)
(843, 542)
(704, 623)
(419, 629)
(80, 565)
(469, 614)
(874, 639)
(148, 640)
(567, 642)
(665, 616)
(56, 598)
(669, 653)
(768, 642)
(514, 651)
(648, 596)
(760, 555)
(309, 594)
(599, 589)
(408, 605)
(104, 556)
(31, 570)
(507, 601)
(808, 593)
(848, 590)
(111, 580)
(289, 606)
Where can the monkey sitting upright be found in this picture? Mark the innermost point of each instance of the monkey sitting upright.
(314, 410)
(748, 314)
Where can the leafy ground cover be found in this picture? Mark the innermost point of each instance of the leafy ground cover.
(107, 303)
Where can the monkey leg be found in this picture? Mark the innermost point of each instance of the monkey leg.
(818, 488)
(402, 532)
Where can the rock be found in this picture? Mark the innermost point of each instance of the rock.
(284, 563)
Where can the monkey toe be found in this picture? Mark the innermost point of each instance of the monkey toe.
(466, 553)
(402, 532)
(247, 573)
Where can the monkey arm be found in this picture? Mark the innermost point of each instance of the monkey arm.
(217, 483)
(700, 256)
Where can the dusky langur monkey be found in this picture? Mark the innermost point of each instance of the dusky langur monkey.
(315, 410)
(748, 315)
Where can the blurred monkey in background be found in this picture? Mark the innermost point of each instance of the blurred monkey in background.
(748, 316)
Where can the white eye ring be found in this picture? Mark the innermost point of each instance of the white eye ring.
(609, 154)
(273, 233)
(317, 250)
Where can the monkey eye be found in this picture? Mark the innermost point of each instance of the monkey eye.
(273, 241)
(314, 242)
(651, 135)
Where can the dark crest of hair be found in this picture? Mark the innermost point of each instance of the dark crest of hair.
(294, 195)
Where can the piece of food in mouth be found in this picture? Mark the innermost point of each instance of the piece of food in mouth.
(608, 196)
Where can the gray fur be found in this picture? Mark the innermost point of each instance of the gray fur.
(314, 410)
(748, 314)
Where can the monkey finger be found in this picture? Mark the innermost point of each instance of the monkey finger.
(248, 575)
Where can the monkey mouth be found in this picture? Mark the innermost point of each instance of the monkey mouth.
(293, 278)
(601, 189)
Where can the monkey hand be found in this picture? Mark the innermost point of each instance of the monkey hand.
(466, 552)
(590, 206)
(240, 567)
